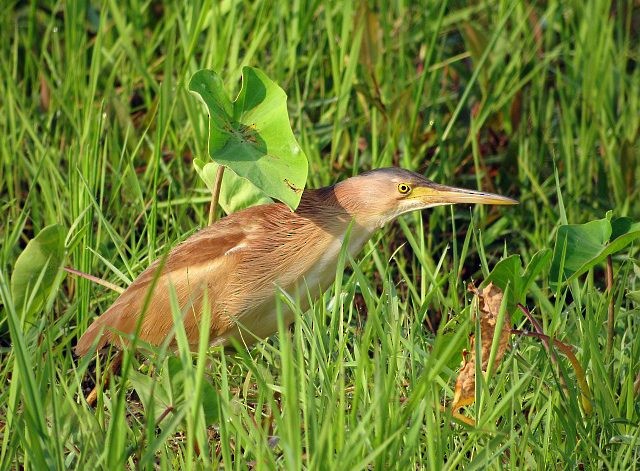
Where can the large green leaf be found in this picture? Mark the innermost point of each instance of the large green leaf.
(37, 268)
(252, 135)
(580, 247)
(236, 192)
(509, 272)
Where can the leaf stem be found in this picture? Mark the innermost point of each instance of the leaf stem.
(215, 194)
(611, 312)
(540, 330)
(581, 377)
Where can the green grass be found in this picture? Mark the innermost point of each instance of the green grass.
(97, 133)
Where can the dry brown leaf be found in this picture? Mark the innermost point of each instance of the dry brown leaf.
(488, 303)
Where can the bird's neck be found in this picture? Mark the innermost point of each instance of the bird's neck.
(338, 213)
(322, 226)
(314, 267)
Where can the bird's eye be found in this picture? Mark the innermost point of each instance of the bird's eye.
(404, 189)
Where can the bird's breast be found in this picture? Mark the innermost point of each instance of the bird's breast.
(318, 275)
(303, 270)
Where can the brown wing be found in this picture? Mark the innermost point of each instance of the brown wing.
(196, 266)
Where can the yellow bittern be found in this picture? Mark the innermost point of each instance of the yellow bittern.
(242, 261)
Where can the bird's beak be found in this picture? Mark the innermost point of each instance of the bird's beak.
(435, 194)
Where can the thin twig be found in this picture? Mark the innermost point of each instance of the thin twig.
(611, 313)
(95, 279)
(215, 194)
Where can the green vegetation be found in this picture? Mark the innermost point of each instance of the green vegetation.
(98, 134)
(252, 136)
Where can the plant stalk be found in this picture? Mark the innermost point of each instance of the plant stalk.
(611, 312)
(545, 341)
(583, 386)
(215, 194)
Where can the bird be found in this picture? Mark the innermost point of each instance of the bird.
(241, 262)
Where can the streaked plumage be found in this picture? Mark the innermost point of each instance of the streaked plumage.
(242, 260)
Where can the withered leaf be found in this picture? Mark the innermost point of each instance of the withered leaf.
(488, 307)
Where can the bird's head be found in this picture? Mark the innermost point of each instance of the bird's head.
(377, 197)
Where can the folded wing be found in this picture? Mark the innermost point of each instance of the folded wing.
(199, 265)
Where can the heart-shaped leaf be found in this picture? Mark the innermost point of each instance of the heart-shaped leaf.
(252, 135)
